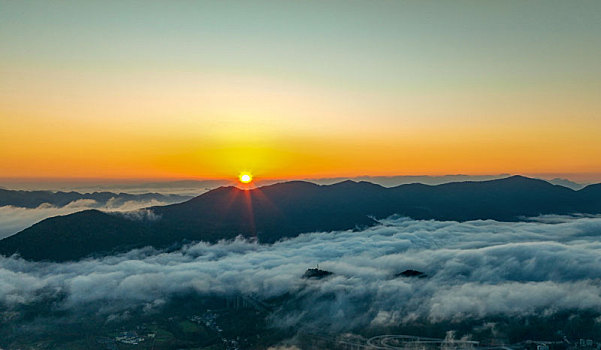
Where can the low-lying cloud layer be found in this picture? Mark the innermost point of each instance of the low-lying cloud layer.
(14, 219)
(475, 269)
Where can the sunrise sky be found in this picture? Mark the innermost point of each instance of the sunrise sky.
(291, 89)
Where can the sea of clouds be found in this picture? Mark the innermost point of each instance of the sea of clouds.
(475, 269)
(14, 219)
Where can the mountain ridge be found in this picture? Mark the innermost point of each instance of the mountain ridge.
(286, 209)
(33, 199)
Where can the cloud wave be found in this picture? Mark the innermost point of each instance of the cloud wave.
(14, 219)
(476, 269)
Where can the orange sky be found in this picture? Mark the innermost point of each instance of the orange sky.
(291, 93)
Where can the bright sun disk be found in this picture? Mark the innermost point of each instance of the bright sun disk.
(245, 178)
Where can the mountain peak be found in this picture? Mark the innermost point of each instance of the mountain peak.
(344, 184)
(520, 179)
(287, 209)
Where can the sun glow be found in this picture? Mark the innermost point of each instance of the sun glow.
(245, 178)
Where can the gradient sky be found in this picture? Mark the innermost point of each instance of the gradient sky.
(191, 89)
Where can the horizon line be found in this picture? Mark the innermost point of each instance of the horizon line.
(548, 176)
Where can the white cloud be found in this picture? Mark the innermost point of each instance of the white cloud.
(14, 219)
(476, 269)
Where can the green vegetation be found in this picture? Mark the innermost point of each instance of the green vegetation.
(207, 323)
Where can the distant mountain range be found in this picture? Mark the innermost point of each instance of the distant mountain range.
(193, 188)
(33, 199)
(287, 209)
(392, 181)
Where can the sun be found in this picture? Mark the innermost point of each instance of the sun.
(245, 178)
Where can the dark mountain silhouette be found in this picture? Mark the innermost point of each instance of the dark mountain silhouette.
(71, 237)
(33, 199)
(316, 274)
(411, 273)
(287, 209)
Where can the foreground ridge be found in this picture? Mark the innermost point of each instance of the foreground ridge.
(278, 211)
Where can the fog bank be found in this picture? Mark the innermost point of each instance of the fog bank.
(475, 270)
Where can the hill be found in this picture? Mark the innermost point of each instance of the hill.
(287, 209)
(33, 199)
